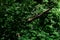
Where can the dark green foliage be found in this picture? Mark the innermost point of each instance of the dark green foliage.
(14, 15)
(39, 1)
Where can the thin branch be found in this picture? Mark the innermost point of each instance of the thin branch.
(38, 16)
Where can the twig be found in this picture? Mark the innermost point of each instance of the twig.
(38, 16)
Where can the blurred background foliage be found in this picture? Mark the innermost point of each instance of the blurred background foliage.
(14, 15)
